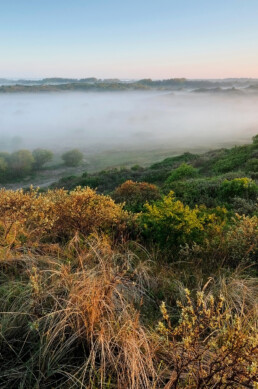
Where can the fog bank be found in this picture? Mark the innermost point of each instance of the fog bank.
(122, 120)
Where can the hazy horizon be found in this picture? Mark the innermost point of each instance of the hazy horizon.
(83, 76)
(198, 40)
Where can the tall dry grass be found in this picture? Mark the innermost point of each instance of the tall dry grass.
(75, 324)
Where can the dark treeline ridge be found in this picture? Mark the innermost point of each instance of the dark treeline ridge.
(140, 278)
(94, 84)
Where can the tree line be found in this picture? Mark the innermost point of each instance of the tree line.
(23, 162)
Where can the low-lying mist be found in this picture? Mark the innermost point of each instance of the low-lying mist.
(102, 121)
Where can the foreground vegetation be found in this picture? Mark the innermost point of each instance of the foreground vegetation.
(151, 286)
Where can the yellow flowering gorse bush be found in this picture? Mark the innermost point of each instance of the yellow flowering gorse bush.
(57, 214)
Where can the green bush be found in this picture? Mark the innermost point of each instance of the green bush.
(239, 187)
(182, 172)
(252, 165)
(197, 191)
(136, 167)
(170, 223)
(207, 191)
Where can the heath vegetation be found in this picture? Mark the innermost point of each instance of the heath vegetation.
(140, 278)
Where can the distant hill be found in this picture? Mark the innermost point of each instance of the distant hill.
(56, 84)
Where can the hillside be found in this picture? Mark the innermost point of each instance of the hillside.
(140, 278)
(195, 178)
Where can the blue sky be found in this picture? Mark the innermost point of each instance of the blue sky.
(129, 39)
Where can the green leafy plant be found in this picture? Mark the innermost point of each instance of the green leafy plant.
(184, 171)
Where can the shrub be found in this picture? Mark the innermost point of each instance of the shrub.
(41, 157)
(239, 187)
(58, 215)
(24, 217)
(182, 172)
(136, 194)
(170, 223)
(242, 240)
(137, 168)
(244, 206)
(72, 157)
(85, 211)
(21, 163)
(197, 191)
(230, 247)
(210, 347)
(252, 165)
(210, 191)
(3, 165)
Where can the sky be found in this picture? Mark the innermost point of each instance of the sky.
(129, 39)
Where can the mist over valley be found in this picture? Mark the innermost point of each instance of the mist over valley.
(118, 121)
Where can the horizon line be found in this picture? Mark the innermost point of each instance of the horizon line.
(126, 79)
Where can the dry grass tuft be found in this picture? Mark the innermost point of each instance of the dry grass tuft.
(76, 324)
